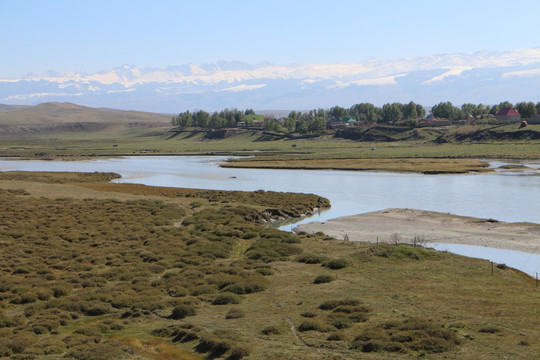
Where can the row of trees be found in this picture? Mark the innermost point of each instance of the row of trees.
(315, 121)
(217, 120)
(448, 111)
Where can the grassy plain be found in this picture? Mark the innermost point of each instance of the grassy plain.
(93, 270)
(269, 150)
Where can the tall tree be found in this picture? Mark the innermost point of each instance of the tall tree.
(201, 118)
(446, 110)
(526, 109)
(409, 111)
(420, 111)
(290, 124)
(338, 112)
(391, 113)
(184, 120)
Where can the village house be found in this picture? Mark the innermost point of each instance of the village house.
(509, 115)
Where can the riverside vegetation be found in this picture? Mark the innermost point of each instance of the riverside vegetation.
(95, 270)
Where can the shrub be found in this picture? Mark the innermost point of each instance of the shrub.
(183, 335)
(162, 332)
(272, 330)
(311, 259)
(181, 311)
(359, 317)
(239, 352)
(61, 290)
(203, 289)
(177, 292)
(341, 323)
(265, 271)
(246, 287)
(489, 329)
(227, 298)
(321, 279)
(91, 330)
(348, 309)
(44, 294)
(213, 345)
(234, 314)
(336, 264)
(97, 309)
(105, 350)
(310, 325)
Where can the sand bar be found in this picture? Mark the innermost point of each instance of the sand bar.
(431, 227)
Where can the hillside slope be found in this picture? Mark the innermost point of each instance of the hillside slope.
(53, 112)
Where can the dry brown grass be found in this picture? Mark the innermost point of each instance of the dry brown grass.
(421, 165)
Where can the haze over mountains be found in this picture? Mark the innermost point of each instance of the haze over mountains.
(481, 77)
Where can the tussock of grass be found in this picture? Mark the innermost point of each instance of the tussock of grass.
(322, 279)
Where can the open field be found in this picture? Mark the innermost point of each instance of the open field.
(93, 270)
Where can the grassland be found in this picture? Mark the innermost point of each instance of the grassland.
(93, 270)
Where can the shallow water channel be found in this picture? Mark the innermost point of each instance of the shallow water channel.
(512, 196)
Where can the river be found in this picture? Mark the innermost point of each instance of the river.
(509, 196)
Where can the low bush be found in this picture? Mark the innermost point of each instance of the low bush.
(310, 325)
(341, 323)
(417, 334)
(321, 279)
(336, 264)
(182, 311)
(272, 330)
(239, 352)
(246, 287)
(265, 271)
(336, 337)
(227, 298)
(235, 314)
(311, 259)
(203, 289)
(215, 346)
(490, 329)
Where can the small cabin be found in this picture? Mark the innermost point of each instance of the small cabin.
(509, 115)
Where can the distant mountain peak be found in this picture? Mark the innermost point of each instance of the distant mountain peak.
(482, 76)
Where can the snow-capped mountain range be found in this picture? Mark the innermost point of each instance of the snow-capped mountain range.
(481, 77)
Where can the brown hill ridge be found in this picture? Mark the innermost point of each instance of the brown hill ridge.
(53, 112)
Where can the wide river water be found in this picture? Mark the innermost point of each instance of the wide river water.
(501, 195)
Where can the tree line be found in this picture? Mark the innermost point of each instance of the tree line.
(315, 121)
(446, 110)
(223, 119)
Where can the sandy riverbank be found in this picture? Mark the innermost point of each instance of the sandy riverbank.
(432, 227)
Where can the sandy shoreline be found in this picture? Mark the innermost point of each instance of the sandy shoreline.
(432, 227)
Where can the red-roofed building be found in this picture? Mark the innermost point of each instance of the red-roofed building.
(508, 115)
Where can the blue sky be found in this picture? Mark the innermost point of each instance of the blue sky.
(88, 36)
